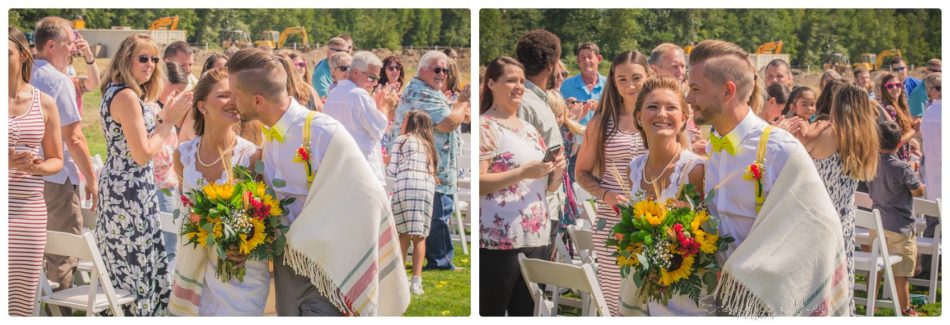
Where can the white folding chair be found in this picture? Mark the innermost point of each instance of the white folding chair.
(928, 245)
(584, 242)
(580, 278)
(588, 205)
(862, 201)
(99, 295)
(874, 261)
(463, 204)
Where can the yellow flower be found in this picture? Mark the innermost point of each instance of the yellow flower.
(210, 191)
(218, 229)
(202, 237)
(683, 271)
(259, 190)
(652, 211)
(274, 205)
(708, 243)
(698, 220)
(226, 191)
(257, 237)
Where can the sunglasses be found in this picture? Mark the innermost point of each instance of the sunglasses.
(899, 69)
(336, 50)
(892, 85)
(937, 88)
(440, 70)
(373, 77)
(564, 74)
(394, 68)
(343, 68)
(934, 70)
(143, 59)
(301, 64)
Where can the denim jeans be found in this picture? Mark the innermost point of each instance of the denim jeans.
(439, 248)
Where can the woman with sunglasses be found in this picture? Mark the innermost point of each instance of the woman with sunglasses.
(339, 68)
(393, 72)
(127, 228)
(35, 150)
(894, 103)
(300, 88)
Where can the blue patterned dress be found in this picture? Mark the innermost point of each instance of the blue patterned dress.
(127, 228)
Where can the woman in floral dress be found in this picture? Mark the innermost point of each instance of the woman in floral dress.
(127, 228)
(513, 184)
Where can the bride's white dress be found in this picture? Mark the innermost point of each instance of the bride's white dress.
(233, 298)
(678, 305)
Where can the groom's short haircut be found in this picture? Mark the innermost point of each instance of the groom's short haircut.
(725, 61)
(890, 135)
(259, 72)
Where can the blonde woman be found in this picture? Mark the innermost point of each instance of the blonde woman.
(602, 166)
(845, 150)
(127, 229)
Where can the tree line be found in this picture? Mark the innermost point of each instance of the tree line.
(806, 34)
(370, 28)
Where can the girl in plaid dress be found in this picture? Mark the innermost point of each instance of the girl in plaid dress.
(413, 165)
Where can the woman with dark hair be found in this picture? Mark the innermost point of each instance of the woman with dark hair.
(513, 182)
(206, 159)
(825, 99)
(297, 80)
(894, 104)
(776, 96)
(214, 61)
(393, 71)
(414, 164)
(603, 162)
(127, 228)
(845, 150)
(35, 150)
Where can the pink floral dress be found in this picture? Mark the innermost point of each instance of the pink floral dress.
(516, 216)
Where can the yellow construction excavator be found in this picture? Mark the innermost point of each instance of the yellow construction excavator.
(874, 62)
(235, 37)
(274, 40)
(770, 48)
(79, 23)
(169, 23)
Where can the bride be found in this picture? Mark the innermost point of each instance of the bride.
(660, 116)
(200, 161)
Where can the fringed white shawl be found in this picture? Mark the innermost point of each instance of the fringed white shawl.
(793, 262)
(187, 279)
(345, 238)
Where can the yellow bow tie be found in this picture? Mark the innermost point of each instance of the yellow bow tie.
(720, 143)
(272, 133)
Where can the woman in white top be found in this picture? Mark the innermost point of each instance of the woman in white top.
(660, 115)
(202, 160)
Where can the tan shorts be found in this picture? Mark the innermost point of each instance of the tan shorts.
(906, 247)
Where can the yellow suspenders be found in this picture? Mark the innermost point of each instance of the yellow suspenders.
(760, 160)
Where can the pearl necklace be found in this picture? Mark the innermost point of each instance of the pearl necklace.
(668, 165)
(198, 155)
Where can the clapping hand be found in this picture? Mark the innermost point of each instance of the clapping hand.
(178, 107)
(21, 160)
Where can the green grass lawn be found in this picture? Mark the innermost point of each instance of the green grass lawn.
(92, 125)
(447, 293)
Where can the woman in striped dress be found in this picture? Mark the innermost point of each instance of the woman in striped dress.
(33, 122)
(603, 162)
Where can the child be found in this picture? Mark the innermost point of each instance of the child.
(801, 103)
(570, 131)
(414, 164)
(892, 191)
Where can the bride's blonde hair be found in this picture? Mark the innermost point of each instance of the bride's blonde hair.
(664, 82)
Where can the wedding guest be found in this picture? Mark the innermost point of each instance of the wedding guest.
(322, 75)
(801, 103)
(862, 78)
(894, 102)
(214, 61)
(779, 72)
(393, 71)
(513, 181)
(828, 76)
(55, 41)
(414, 164)
(777, 94)
(570, 130)
(127, 230)
(424, 92)
(845, 150)
(352, 105)
(893, 191)
(166, 179)
(339, 65)
(35, 150)
(603, 161)
(180, 52)
(300, 87)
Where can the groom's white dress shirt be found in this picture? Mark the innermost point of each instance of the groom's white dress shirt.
(279, 156)
(734, 201)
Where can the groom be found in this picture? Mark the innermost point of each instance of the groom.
(788, 247)
(339, 254)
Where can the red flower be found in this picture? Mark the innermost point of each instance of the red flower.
(303, 154)
(185, 201)
(756, 172)
(617, 210)
(678, 228)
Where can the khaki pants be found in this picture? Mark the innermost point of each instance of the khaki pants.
(64, 215)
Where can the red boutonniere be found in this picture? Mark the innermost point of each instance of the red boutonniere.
(754, 173)
(303, 157)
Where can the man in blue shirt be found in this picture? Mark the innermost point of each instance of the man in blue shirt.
(322, 76)
(587, 85)
(918, 99)
(899, 67)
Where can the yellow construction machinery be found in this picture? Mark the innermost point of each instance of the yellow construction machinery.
(836, 61)
(774, 47)
(874, 62)
(79, 23)
(274, 40)
(235, 37)
(169, 23)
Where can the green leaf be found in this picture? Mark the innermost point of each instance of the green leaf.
(166, 192)
(601, 223)
(643, 261)
(259, 167)
(279, 183)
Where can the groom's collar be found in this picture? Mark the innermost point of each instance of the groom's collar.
(294, 112)
(750, 123)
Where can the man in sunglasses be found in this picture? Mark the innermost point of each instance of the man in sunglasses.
(55, 43)
(587, 85)
(900, 68)
(919, 97)
(322, 76)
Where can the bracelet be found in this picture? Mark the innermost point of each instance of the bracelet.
(603, 197)
(93, 61)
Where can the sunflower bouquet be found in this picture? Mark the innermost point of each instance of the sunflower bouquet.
(242, 215)
(668, 247)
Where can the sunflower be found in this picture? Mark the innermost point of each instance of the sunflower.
(202, 237)
(684, 270)
(708, 243)
(698, 220)
(652, 211)
(274, 205)
(632, 260)
(210, 191)
(226, 191)
(218, 229)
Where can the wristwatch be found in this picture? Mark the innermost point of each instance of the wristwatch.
(93, 61)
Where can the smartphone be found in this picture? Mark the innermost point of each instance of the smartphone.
(552, 152)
